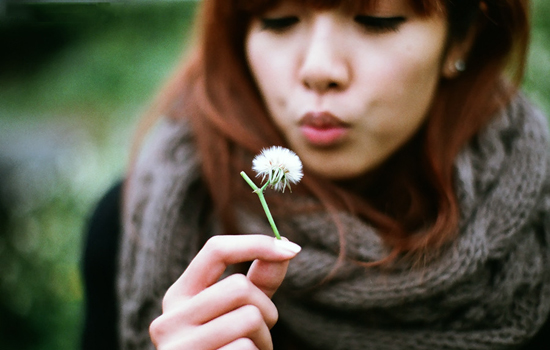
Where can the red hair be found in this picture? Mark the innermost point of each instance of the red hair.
(416, 209)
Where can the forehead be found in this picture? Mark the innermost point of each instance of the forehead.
(423, 7)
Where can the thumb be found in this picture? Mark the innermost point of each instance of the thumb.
(268, 275)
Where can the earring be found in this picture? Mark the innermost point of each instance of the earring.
(460, 65)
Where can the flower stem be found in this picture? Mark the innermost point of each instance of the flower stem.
(268, 214)
(260, 193)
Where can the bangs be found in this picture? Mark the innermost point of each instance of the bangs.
(421, 7)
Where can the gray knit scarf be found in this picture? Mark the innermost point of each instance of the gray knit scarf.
(490, 289)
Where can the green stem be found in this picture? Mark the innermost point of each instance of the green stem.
(250, 182)
(268, 214)
(260, 193)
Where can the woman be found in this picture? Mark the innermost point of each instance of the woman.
(422, 219)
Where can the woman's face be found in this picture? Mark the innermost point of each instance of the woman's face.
(346, 89)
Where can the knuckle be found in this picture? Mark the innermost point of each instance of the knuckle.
(170, 298)
(245, 344)
(239, 287)
(252, 318)
(214, 245)
(273, 317)
(166, 300)
(163, 329)
(156, 329)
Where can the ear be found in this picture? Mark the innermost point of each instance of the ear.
(455, 61)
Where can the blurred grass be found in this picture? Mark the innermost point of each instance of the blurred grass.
(537, 78)
(74, 82)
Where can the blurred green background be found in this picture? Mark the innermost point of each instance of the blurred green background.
(74, 79)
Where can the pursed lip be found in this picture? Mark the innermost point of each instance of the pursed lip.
(323, 128)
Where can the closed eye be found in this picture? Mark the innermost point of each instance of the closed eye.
(380, 24)
(278, 24)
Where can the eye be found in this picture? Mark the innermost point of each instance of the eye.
(380, 24)
(278, 24)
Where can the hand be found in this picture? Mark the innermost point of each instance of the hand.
(202, 313)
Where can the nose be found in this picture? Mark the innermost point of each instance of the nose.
(325, 66)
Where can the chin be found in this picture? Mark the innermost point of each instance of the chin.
(341, 168)
(338, 173)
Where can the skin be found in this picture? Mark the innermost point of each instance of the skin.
(379, 82)
(200, 312)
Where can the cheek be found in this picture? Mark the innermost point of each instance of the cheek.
(256, 62)
(417, 84)
(405, 85)
(414, 70)
(267, 70)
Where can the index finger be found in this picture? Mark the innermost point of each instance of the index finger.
(221, 251)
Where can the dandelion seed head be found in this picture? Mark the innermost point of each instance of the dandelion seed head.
(280, 166)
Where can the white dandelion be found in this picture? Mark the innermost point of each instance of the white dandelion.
(281, 167)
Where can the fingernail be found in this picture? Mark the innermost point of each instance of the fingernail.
(287, 245)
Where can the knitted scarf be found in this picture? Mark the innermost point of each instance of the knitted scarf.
(489, 289)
